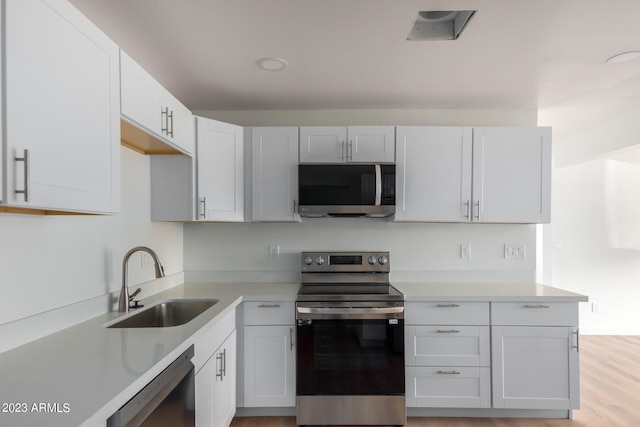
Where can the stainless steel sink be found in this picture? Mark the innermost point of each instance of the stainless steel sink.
(166, 314)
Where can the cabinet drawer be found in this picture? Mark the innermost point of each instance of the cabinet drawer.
(447, 313)
(534, 313)
(447, 346)
(448, 387)
(269, 313)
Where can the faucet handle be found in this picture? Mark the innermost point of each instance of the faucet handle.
(133, 295)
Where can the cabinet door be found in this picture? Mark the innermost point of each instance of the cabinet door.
(62, 106)
(224, 390)
(220, 164)
(535, 367)
(323, 144)
(181, 127)
(512, 174)
(371, 144)
(269, 366)
(274, 184)
(433, 169)
(142, 96)
(205, 383)
(216, 387)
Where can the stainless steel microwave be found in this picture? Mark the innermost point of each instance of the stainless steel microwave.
(349, 190)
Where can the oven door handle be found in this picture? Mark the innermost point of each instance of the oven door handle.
(350, 312)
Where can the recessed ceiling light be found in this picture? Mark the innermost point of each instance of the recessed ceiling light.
(624, 58)
(440, 24)
(272, 64)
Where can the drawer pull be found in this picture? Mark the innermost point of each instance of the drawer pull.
(447, 331)
(448, 373)
(269, 306)
(447, 305)
(536, 306)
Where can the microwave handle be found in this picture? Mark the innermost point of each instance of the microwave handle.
(378, 201)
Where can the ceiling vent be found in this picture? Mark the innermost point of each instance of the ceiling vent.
(440, 24)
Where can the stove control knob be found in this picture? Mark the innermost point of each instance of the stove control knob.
(383, 260)
(308, 260)
(372, 260)
(319, 260)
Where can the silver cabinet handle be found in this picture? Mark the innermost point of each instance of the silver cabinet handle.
(224, 362)
(342, 151)
(467, 214)
(269, 306)
(170, 119)
(25, 159)
(291, 339)
(448, 373)
(295, 206)
(447, 305)
(203, 214)
(219, 373)
(447, 331)
(536, 306)
(477, 204)
(164, 115)
(351, 150)
(577, 334)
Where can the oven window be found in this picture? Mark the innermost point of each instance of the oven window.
(362, 357)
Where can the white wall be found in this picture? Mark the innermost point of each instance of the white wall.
(419, 252)
(595, 242)
(592, 245)
(50, 263)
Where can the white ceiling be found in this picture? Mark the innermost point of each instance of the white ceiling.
(515, 54)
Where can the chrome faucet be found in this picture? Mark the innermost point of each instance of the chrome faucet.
(125, 299)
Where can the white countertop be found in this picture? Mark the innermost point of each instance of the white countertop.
(515, 292)
(86, 372)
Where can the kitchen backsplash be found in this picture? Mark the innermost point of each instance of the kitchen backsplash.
(419, 252)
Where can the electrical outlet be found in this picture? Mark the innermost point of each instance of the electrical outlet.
(465, 251)
(515, 251)
(595, 308)
(274, 250)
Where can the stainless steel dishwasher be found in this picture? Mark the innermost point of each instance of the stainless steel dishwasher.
(168, 400)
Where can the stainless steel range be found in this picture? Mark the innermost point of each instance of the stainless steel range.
(350, 334)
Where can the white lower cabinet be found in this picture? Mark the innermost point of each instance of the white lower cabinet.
(536, 366)
(215, 365)
(269, 354)
(448, 363)
(216, 387)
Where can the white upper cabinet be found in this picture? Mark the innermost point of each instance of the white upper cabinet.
(220, 171)
(433, 174)
(512, 174)
(150, 107)
(274, 174)
(207, 187)
(339, 144)
(461, 174)
(62, 108)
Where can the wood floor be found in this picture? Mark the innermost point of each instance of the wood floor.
(610, 393)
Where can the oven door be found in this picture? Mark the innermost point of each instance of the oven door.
(348, 350)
